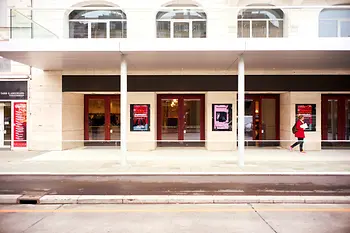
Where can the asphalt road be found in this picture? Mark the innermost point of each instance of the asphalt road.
(175, 218)
(177, 185)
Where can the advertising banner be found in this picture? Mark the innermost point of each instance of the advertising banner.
(13, 90)
(309, 113)
(140, 117)
(222, 117)
(19, 124)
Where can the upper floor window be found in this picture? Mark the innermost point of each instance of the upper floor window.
(97, 24)
(183, 23)
(261, 23)
(334, 23)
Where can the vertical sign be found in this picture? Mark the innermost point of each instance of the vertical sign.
(309, 113)
(140, 117)
(19, 124)
(222, 117)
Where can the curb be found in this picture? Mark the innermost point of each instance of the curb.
(175, 173)
(174, 199)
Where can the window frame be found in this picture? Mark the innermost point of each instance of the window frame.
(339, 20)
(241, 20)
(189, 21)
(108, 26)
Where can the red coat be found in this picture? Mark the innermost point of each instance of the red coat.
(300, 131)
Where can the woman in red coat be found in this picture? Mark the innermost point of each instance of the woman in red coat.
(300, 134)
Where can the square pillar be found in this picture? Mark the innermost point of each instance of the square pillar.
(45, 110)
(220, 140)
(143, 140)
(72, 120)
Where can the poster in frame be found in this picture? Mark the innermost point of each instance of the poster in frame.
(222, 117)
(139, 117)
(309, 113)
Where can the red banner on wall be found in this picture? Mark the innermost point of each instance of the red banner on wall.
(20, 124)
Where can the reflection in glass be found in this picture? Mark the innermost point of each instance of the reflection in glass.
(115, 120)
(192, 120)
(170, 123)
(97, 14)
(347, 120)
(96, 119)
(332, 122)
(248, 119)
(78, 30)
(275, 28)
(259, 28)
(199, 29)
(181, 30)
(117, 29)
(98, 30)
(163, 29)
(328, 28)
(243, 29)
(345, 28)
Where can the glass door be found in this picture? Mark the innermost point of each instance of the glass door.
(347, 119)
(335, 121)
(192, 120)
(170, 120)
(332, 121)
(261, 120)
(180, 120)
(102, 119)
(114, 117)
(268, 122)
(249, 126)
(2, 125)
(97, 122)
(7, 124)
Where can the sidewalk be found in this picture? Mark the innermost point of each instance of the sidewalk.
(174, 161)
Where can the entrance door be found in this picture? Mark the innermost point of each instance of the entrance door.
(261, 121)
(180, 120)
(102, 119)
(335, 120)
(2, 125)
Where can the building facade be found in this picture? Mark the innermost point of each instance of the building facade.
(148, 74)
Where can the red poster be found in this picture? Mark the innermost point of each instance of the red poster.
(306, 111)
(20, 124)
(140, 116)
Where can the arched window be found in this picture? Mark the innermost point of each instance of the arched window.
(334, 23)
(181, 23)
(260, 23)
(97, 23)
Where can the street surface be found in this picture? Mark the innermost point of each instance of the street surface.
(177, 185)
(175, 218)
